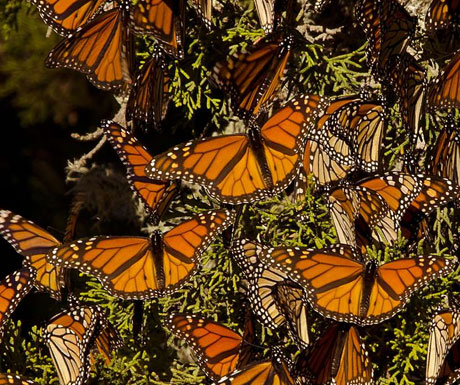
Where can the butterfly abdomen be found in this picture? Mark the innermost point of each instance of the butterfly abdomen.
(157, 253)
(255, 143)
(369, 277)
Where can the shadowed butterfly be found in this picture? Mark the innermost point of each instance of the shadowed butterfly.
(219, 349)
(12, 290)
(337, 357)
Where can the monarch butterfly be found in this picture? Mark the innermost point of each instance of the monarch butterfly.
(12, 290)
(219, 349)
(164, 20)
(408, 79)
(243, 168)
(442, 14)
(268, 372)
(341, 284)
(390, 202)
(252, 78)
(149, 97)
(338, 357)
(388, 28)
(155, 194)
(9, 379)
(66, 16)
(443, 358)
(446, 157)
(346, 138)
(445, 92)
(140, 267)
(101, 49)
(33, 243)
(275, 298)
(70, 336)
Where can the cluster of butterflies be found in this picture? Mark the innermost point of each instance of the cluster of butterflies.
(335, 142)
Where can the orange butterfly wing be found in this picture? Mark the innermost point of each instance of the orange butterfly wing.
(338, 357)
(133, 268)
(229, 168)
(155, 194)
(260, 373)
(343, 288)
(217, 347)
(149, 97)
(445, 93)
(443, 342)
(100, 49)
(66, 16)
(442, 14)
(164, 20)
(446, 158)
(253, 78)
(397, 280)
(12, 290)
(34, 244)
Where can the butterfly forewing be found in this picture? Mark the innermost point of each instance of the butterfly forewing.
(34, 243)
(66, 16)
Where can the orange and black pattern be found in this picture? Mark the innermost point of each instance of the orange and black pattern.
(163, 19)
(337, 357)
(66, 16)
(12, 290)
(219, 349)
(34, 243)
(341, 284)
(445, 160)
(442, 14)
(274, 298)
(155, 194)
(139, 267)
(243, 168)
(270, 372)
(101, 49)
(445, 92)
(149, 97)
(388, 28)
(346, 138)
(253, 78)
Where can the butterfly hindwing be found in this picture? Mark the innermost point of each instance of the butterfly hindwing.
(155, 194)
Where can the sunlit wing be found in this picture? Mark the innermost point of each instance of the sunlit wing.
(34, 243)
(101, 49)
(139, 267)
